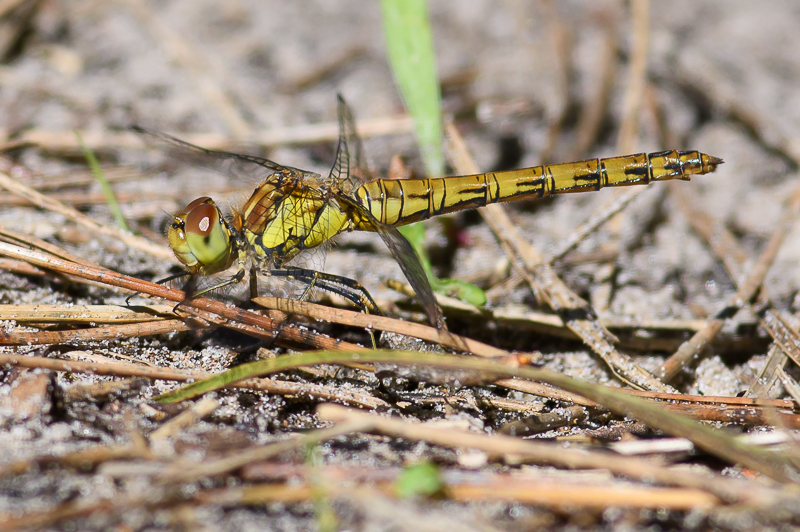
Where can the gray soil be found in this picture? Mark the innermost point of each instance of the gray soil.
(721, 79)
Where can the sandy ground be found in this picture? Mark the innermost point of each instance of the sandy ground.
(519, 78)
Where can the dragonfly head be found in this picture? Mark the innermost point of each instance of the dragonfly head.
(201, 239)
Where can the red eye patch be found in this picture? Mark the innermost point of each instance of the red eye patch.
(201, 218)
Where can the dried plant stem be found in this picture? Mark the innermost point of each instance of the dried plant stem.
(746, 292)
(381, 323)
(126, 369)
(45, 202)
(548, 492)
(233, 317)
(637, 76)
(98, 141)
(543, 453)
(188, 417)
(545, 282)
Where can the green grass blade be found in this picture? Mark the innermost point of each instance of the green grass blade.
(423, 479)
(409, 44)
(715, 442)
(97, 172)
(415, 233)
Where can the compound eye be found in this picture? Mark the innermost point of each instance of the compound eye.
(202, 218)
(199, 201)
(200, 239)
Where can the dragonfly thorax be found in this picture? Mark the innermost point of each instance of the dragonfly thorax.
(281, 220)
(201, 238)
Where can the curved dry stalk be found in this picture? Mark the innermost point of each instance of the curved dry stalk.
(637, 76)
(126, 369)
(746, 292)
(704, 437)
(85, 313)
(540, 452)
(47, 203)
(64, 141)
(228, 316)
(545, 282)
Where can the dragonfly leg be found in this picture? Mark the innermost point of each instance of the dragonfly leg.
(190, 288)
(237, 278)
(348, 288)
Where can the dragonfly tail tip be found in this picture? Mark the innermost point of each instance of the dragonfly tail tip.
(710, 163)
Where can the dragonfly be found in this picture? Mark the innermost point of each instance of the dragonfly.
(292, 211)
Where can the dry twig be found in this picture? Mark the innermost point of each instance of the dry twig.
(544, 281)
(691, 350)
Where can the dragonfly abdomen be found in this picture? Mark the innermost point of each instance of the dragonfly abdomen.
(403, 201)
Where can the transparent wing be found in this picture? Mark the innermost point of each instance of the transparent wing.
(246, 168)
(406, 257)
(350, 169)
(404, 254)
(294, 220)
(310, 259)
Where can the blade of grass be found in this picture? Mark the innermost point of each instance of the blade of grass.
(467, 292)
(409, 44)
(714, 442)
(97, 172)
(423, 478)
